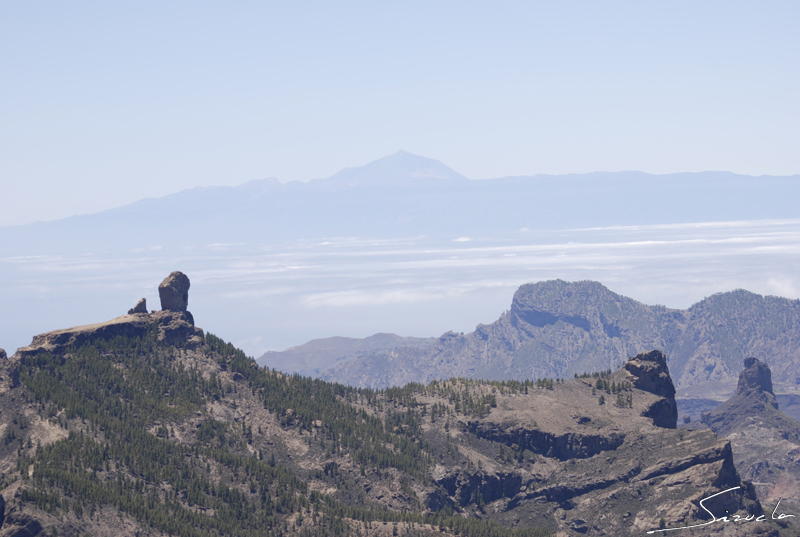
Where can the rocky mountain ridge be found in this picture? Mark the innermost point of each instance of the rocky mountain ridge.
(406, 195)
(765, 441)
(110, 431)
(558, 329)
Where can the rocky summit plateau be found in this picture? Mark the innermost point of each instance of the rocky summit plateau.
(559, 329)
(146, 425)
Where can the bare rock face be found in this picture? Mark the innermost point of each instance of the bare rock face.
(754, 399)
(765, 441)
(3, 354)
(174, 292)
(175, 324)
(756, 378)
(140, 307)
(648, 371)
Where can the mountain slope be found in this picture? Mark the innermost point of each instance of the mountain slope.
(401, 168)
(320, 354)
(766, 442)
(558, 329)
(404, 195)
(146, 425)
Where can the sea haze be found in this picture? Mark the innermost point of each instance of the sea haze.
(402, 245)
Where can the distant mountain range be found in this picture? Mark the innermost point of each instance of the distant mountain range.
(557, 329)
(317, 355)
(405, 195)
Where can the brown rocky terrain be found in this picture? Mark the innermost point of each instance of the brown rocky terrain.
(766, 442)
(558, 329)
(146, 425)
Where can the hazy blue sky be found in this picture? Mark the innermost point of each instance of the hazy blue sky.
(103, 103)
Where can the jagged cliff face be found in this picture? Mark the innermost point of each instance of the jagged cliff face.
(111, 430)
(551, 330)
(557, 329)
(766, 442)
(648, 371)
(754, 399)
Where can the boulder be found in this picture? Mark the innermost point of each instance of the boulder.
(174, 292)
(140, 307)
(3, 354)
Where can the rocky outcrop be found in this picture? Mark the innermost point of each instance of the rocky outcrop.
(3, 354)
(21, 525)
(174, 326)
(174, 292)
(60, 340)
(601, 469)
(177, 327)
(757, 378)
(563, 446)
(556, 329)
(463, 488)
(540, 455)
(753, 400)
(764, 440)
(140, 307)
(648, 372)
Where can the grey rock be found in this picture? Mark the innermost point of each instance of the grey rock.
(140, 307)
(648, 371)
(556, 329)
(21, 525)
(564, 446)
(579, 525)
(753, 400)
(3, 354)
(175, 326)
(174, 292)
(758, 378)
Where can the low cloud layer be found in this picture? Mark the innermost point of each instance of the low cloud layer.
(263, 297)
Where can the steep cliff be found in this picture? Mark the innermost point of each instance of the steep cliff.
(146, 425)
(558, 329)
(766, 442)
(753, 400)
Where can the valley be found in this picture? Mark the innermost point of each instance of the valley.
(148, 425)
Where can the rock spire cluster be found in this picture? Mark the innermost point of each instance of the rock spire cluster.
(173, 292)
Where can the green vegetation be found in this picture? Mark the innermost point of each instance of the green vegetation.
(139, 440)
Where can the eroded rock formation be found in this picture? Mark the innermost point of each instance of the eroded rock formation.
(648, 371)
(174, 292)
(553, 455)
(766, 442)
(140, 307)
(601, 469)
(556, 329)
(756, 378)
(754, 399)
(174, 325)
